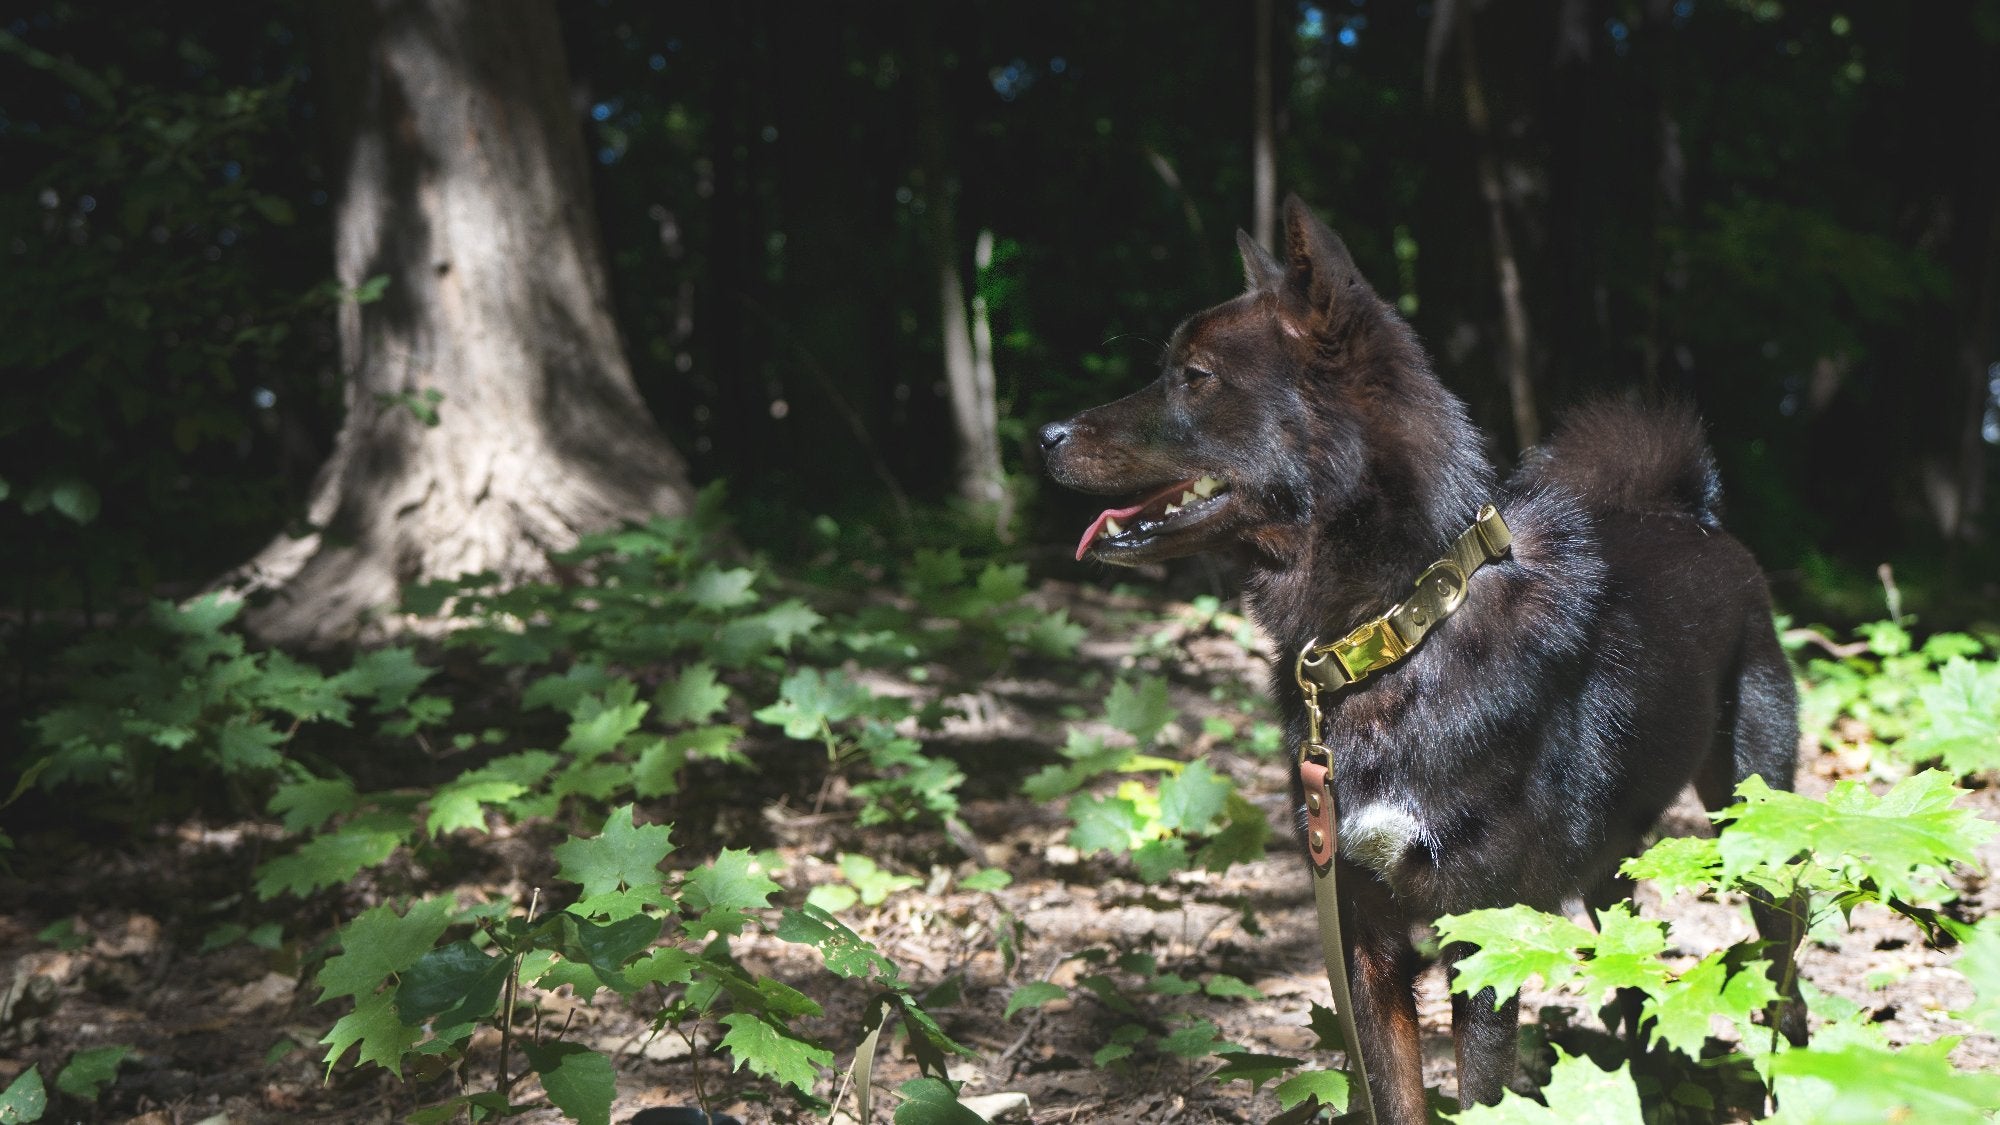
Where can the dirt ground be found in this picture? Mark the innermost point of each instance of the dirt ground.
(229, 1034)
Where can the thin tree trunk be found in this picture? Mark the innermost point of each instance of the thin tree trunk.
(1263, 132)
(1513, 308)
(980, 479)
(462, 183)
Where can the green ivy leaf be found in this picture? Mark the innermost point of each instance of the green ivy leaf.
(380, 942)
(691, 697)
(89, 1072)
(25, 1099)
(1034, 994)
(1515, 943)
(1140, 710)
(773, 1051)
(1576, 1091)
(578, 1080)
(1192, 801)
(622, 855)
(373, 1025)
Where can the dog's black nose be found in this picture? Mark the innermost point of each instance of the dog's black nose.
(1054, 434)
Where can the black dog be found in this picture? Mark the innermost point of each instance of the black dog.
(1623, 647)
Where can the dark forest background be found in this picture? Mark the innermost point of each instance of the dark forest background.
(1787, 212)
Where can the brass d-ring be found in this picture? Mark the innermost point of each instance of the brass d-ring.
(1454, 589)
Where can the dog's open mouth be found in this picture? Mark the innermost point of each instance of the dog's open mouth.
(1177, 504)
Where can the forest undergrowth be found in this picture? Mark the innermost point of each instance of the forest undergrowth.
(914, 840)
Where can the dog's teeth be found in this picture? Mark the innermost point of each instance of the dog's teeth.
(1189, 498)
(1111, 528)
(1206, 486)
(1172, 508)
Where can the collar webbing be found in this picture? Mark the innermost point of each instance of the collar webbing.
(1387, 639)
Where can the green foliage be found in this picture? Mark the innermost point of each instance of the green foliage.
(1819, 857)
(1576, 1091)
(24, 1099)
(1912, 704)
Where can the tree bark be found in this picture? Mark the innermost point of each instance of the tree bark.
(1263, 133)
(462, 182)
(969, 384)
(1506, 264)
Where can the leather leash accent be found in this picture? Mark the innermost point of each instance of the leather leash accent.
(1380, 643)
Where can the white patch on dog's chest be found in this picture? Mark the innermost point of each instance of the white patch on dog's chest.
(1377, 835)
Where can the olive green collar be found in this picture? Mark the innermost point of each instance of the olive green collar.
(1438, 591)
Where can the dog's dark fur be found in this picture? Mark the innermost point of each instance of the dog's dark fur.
(1624, 649)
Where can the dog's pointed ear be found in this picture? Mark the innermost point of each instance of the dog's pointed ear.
(1319, 270)
(1260, 270)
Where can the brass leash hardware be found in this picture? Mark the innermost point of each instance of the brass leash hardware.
(1312, 747)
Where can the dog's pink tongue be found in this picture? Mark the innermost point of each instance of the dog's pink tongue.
(1090, 535)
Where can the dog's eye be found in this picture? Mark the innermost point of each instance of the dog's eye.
(1192, 375)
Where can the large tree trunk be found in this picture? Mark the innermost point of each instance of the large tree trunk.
(968, 381)
(462, 181)
(1506, 265)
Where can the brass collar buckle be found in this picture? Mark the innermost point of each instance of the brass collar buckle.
(1381, 642)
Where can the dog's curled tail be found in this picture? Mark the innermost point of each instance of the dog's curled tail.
(1621, 456)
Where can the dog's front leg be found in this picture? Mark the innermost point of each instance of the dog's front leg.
(1486, 1040)
(1382, 972)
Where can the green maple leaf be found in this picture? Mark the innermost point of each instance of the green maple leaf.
(380, 942)
(1103, 823)
(873, 884)
(599, 723)
(723, 889)
(1197, 1040)
(773, 1051)
(1576, 1091)
(1902, 840)
(578, 1080)
(1678, 863)
(25, 1099)
(1515, 944)
(1328, 1086)
(691, 697)
(373, 1025)
(1626, 953)
(807, 699)
(1224, 986)
(1034, 994)
(563, 691)
(847, 953)
(1141, 710)
(333, 858)
(88, 1072)
(1157, 860)
(657, 773)
(1252, 1068)
(391, 675)
(716, 589)
(1681, 1011)
(459, 981)
(1980, 964)
(1191, 801)
(245, 745)
(462, 804)
(305, 805)
(1961, 717)
(1241, 840)
(789, 620)
(1858, 1083)
(622, 855)
(932, 1101)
